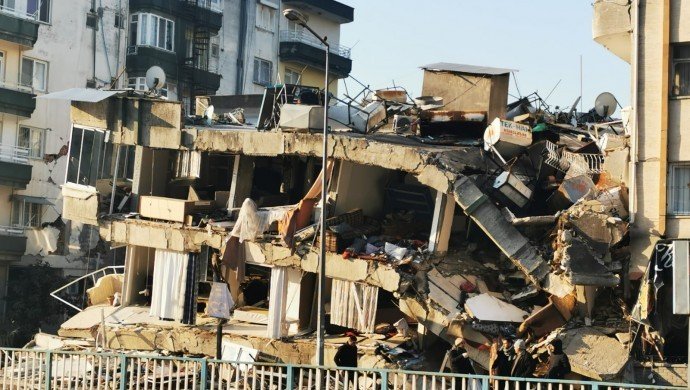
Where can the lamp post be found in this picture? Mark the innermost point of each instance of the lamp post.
(298, 17)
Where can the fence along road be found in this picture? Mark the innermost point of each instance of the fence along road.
(33, 369)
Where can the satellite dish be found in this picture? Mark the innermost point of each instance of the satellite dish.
(155, 78)
(605, 104)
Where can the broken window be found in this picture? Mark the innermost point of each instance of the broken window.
(39, 9)
(31, 138)
(263, 71)
(679, 189)
(85, 153)
(152, 30)
(34, 74)
(26, 213)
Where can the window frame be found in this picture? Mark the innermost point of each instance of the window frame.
(101, 149)
(678, 61)
(672, 189)
(144, 26)
(33, 73)
(293, 72)
(3, 57)
(257, 71)
(261, 12)
(18, 216)
(42, 141)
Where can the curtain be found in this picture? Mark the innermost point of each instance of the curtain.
(353, 305)
(276, 303)
(169, 282)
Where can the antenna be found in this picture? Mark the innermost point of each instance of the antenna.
(605, 104)
(155, 78)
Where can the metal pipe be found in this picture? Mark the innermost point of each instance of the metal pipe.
(632, 201)
(321, 320)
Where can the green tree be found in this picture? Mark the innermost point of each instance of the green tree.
(30, 307)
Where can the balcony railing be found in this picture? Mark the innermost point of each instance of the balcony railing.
(212, 5)
(94, 276)
(14, 154)
(304, 37)
(36, 369)
(15, 231)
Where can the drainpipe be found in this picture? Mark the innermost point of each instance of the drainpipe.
(239, 77)
(93, 10)
(635, 23)
(663, 123)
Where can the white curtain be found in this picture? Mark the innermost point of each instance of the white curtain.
(353, 305)
(276, 303)
(169, 279)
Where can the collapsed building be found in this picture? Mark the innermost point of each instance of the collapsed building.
(451, 215)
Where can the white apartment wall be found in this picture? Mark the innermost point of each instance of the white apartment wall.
(259, 42)
(66, 43)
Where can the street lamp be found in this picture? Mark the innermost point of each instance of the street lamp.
(298, 17)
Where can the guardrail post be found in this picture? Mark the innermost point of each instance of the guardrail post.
(290, 378)
(49, 368)
(595, 386)
(485, 383)
(123, 371)
(384, 380)
(203, 374)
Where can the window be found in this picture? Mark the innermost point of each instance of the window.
(2, 67)
(265, 17)
(294, 28)
(119, 20)
(213, 65)
(34, 74)
(137, 83)
(40, 9)
(681, 70)
(291, 76)
(31, 138)
(679, 189)
(26, 214)
(151, 30)
(262, 71)
(125, 169)
(85, 153)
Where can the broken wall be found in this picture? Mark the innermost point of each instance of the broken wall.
(467, 92)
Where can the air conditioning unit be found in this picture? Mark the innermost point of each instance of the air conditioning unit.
(404, 123)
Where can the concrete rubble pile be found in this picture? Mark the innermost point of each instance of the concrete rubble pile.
(537, 249)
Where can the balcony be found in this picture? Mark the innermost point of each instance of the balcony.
(331, 9)
(307, 50)
(16, 101)
(15, 170)
(612, 28)
(17, 27)
(12, 241)
(203, 12)
(141, 58)
(204, 79)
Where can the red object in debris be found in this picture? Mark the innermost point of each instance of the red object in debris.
(347, 255)
(468, 287)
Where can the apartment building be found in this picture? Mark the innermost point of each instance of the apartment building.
(274, 50)
(654, 38)
(46, 47)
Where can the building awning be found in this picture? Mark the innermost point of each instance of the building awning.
(32, 199)
(88, 95)
(469, 69)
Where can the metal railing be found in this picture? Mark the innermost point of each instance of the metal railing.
(34, 369)
(216, 6)
(15, 154)
(101, 272)
(16, 231)
(300, 36)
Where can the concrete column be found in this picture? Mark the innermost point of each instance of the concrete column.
(242, 178)
(442, 223)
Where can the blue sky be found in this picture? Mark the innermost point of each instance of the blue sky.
(543, 39)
